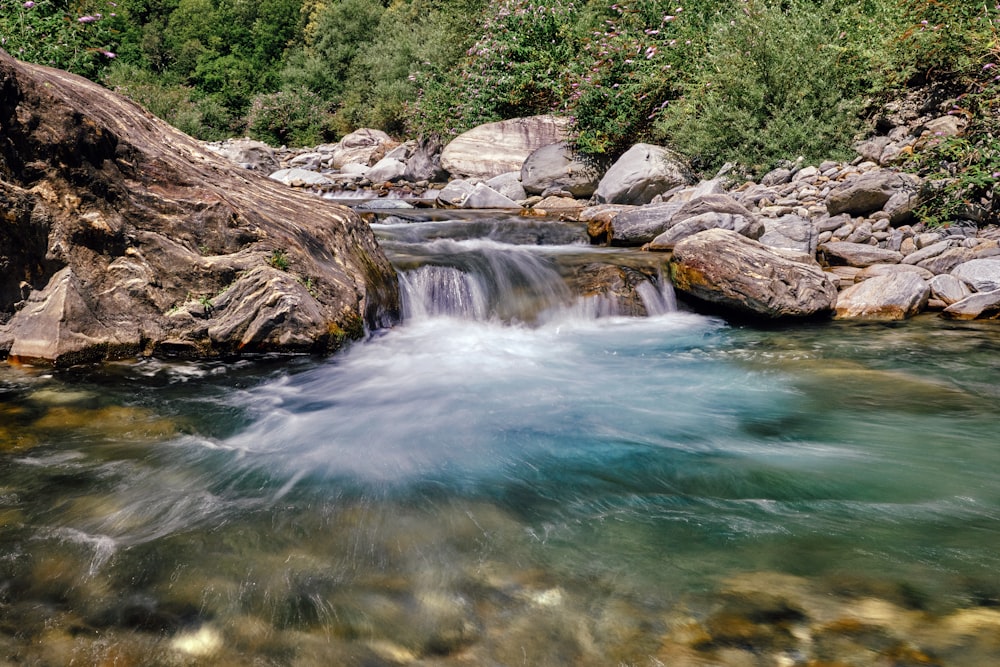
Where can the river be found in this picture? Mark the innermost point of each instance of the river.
(514, 475)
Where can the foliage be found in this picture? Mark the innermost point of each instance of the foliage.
(296, 117)
(278, 260)
(77, 36)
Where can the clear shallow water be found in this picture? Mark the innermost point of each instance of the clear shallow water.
(536, 485)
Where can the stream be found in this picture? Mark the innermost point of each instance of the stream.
(516, 475)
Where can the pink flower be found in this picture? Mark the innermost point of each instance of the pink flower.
(87, 19)
(29, 4)
(108, 54)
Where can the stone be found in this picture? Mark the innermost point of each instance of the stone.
(455, 193)
(868, 192)
(425, 163)
(876, 270)
(857, 254)
(144, 242)
(635, 226)
(614, 290)
(558, 165)
(483, 196)
(643, 172)
(980, 306)
(386, 170)
(983, 275)
(312, 161)
(297, 177)
(844, 276)
(871, 149)
(776, 177)
(496, 148)
(948, 289)
(901, 207)
(729, 270)
(364, 146)
(948, 260)
(945, 126)
(247, 153)
(710, 220)
(509, 185)
(927, 252)
(888, 297)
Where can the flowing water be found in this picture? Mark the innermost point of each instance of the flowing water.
(514, 475)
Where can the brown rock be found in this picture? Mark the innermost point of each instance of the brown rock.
(124, 236)
(732, 271)
(889, 297)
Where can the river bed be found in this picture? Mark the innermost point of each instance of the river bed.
(513, 476)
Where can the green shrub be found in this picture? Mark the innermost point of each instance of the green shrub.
(297, 117)
(772, 87)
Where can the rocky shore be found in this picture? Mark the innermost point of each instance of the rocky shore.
(835, 238)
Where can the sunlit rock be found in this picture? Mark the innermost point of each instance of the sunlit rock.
(643, 172)
(496, 148)
(888, 297)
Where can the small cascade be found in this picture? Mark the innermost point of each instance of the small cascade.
(442, 291)
(658, 298)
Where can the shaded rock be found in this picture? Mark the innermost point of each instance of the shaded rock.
(889, 297)
(129, 233)
(425, 163)
(365, 146)
(634, 226)
(616, 290)
(981, 306)
(643, 172)
(983, 275)
(857, 254)
(902, 206)
(386, 170)
(844, 276)
(297, 177)
(704, 221)
(247, 153)
(868, 192)
(509, 185)
(496, 148)
(743, 275)
(790, 231)
(455, 193)
(558, 165)
(483, 196)
(948, 289)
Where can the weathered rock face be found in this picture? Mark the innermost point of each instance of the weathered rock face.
(122, 236)
(725, 268)
(496, 148)
(887, 297)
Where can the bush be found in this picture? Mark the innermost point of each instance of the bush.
(773, 87)
(297, 117)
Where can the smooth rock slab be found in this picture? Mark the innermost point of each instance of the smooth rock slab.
(483, 196)
(790, 231)
(889, 297)
(497, 148)
(981, 306)
(948, 289)
(724, 268)
(858, 254)
(983, 275)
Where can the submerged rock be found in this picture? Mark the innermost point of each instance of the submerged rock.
(124, 236)
(730, 270)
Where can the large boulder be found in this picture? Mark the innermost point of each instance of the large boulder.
(643, 172)
(496, 148)
(559, 166)
(365, 146)
(122, 236)
(739, 274)
(894, 296)
(983, 275)
(871, 191)
(425, 163)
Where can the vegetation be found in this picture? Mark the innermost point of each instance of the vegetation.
(745, 81)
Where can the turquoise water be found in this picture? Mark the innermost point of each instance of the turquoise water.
(532, 485)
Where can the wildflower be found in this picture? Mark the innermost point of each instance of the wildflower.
(989, 65)
(87, 19)
(29, 4)
(108, 54)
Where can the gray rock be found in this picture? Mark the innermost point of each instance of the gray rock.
(365, 146)
(984, 305)
(948, 289)
(386, 170)
(637, 226)
(871, 149)
(483, 196)
(247, 153)
(831, 223)
(300, 177)
(868, 192)
(889, 297)
(455, 193)
(509, 185)
(927, 252)
(902, 206)
(776, 177)
(558, 165)
(643, 172)
(790, 231)
(711, 220)
(983, 275)
(425, 163)
(311, 161)
(944, 126)
(730, 270)
(496, 148)
(948, 260)
(857, 254)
